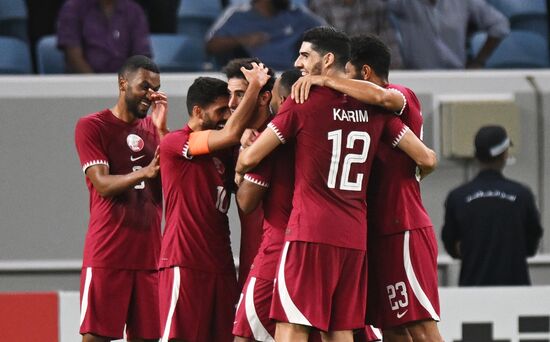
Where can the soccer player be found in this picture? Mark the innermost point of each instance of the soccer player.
(251, 223)
(323, 263)
(273, 182)
(198, 287)
(117, 150)
(403, 297)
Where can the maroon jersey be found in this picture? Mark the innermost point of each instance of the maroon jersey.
(276, 172)
(196, 203)
(336, 138)
(124, 230)
(395, 203)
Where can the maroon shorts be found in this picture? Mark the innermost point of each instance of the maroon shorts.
(196, 305)
(321, 286)
(111, 298)
(403, 278)
(252, 318)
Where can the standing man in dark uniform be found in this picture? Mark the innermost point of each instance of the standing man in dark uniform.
(492, 223)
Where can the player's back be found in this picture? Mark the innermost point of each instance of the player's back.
(336, 138)
(395, 202)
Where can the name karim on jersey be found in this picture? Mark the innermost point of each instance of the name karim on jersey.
(357, 115)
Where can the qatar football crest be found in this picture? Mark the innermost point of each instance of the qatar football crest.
(135, 143)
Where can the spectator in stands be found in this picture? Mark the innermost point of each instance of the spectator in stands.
(97, 36)
(270, 30)
(492, 223)
(162, 15)
(434, 32)
(361, 16)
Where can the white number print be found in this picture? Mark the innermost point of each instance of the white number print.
(141, 185)
(222, 203)
(395, 290)
(349, 159)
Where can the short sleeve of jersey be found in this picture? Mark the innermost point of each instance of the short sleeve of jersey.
(88, 144)
(176, 143)
(394, 131)
(261, 175)
(287, 123)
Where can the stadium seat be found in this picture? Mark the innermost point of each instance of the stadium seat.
(176, 52)
(511, 8)
(520, 49)
(534, 22)
(196, 16)
(13, 19)
(49, 58)
(15, 57)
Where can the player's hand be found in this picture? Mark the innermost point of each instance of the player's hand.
(301, 88)
(238, 178)
(159, 110)
(257, 75)
(248, 137)
(152, 170)
(253, 39)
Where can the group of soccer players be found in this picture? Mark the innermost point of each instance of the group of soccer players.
(305, 170)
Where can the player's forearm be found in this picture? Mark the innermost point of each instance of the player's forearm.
(367, 92)
(112, 185)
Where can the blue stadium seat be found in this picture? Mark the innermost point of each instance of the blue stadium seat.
(534, 22)
(511, 8)
(520, 49)
(13, 19)
(294, 2)
(177, 52)
(196, 16)
(15, 57)
(49, 59)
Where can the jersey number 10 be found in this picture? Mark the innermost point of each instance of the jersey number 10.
(350, 158)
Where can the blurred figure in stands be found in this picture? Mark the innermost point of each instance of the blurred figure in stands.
(97, 36)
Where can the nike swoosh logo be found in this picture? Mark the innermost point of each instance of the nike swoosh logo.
(136, 158)
(401, 314)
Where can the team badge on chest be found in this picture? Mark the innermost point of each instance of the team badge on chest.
(135, 143)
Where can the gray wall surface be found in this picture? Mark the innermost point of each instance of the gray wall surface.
(44, 201)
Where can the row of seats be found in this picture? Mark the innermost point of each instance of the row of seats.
(172, 53)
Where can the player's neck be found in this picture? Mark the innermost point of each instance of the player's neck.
(335, 72)
(194, 124)
(261, 118)
(122, 113)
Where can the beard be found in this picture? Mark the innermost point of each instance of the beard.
(133, 107)
(316, 69)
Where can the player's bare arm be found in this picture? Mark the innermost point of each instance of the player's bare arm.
(364, 91)
(159, 111)
(248, 137)
(108, 185)
(250, 195)
(424, 157)
(231, 133)
(253, 155)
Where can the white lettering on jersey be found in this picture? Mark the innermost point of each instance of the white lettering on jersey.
(357, 115)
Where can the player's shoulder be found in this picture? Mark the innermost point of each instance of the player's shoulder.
(91, 120)
(175, 135)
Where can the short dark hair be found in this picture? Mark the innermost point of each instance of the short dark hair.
(233, 70)
(288, 78)
(204, 91)
(370, 50)
(136, 62)
(325, 39)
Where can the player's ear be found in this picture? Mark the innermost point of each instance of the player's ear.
(196, 112)
(366, 72)
(122, 83)
(328, 59)
(264, 98)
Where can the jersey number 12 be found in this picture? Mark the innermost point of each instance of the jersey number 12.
(350, 158)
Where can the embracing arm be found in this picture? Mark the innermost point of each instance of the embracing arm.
(249, 196)
(424, 157)
(364, 91)
(253, 155)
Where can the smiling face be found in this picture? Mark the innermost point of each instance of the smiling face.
(309, 61)
(138, 89)
(215, 114)
(237, 88)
